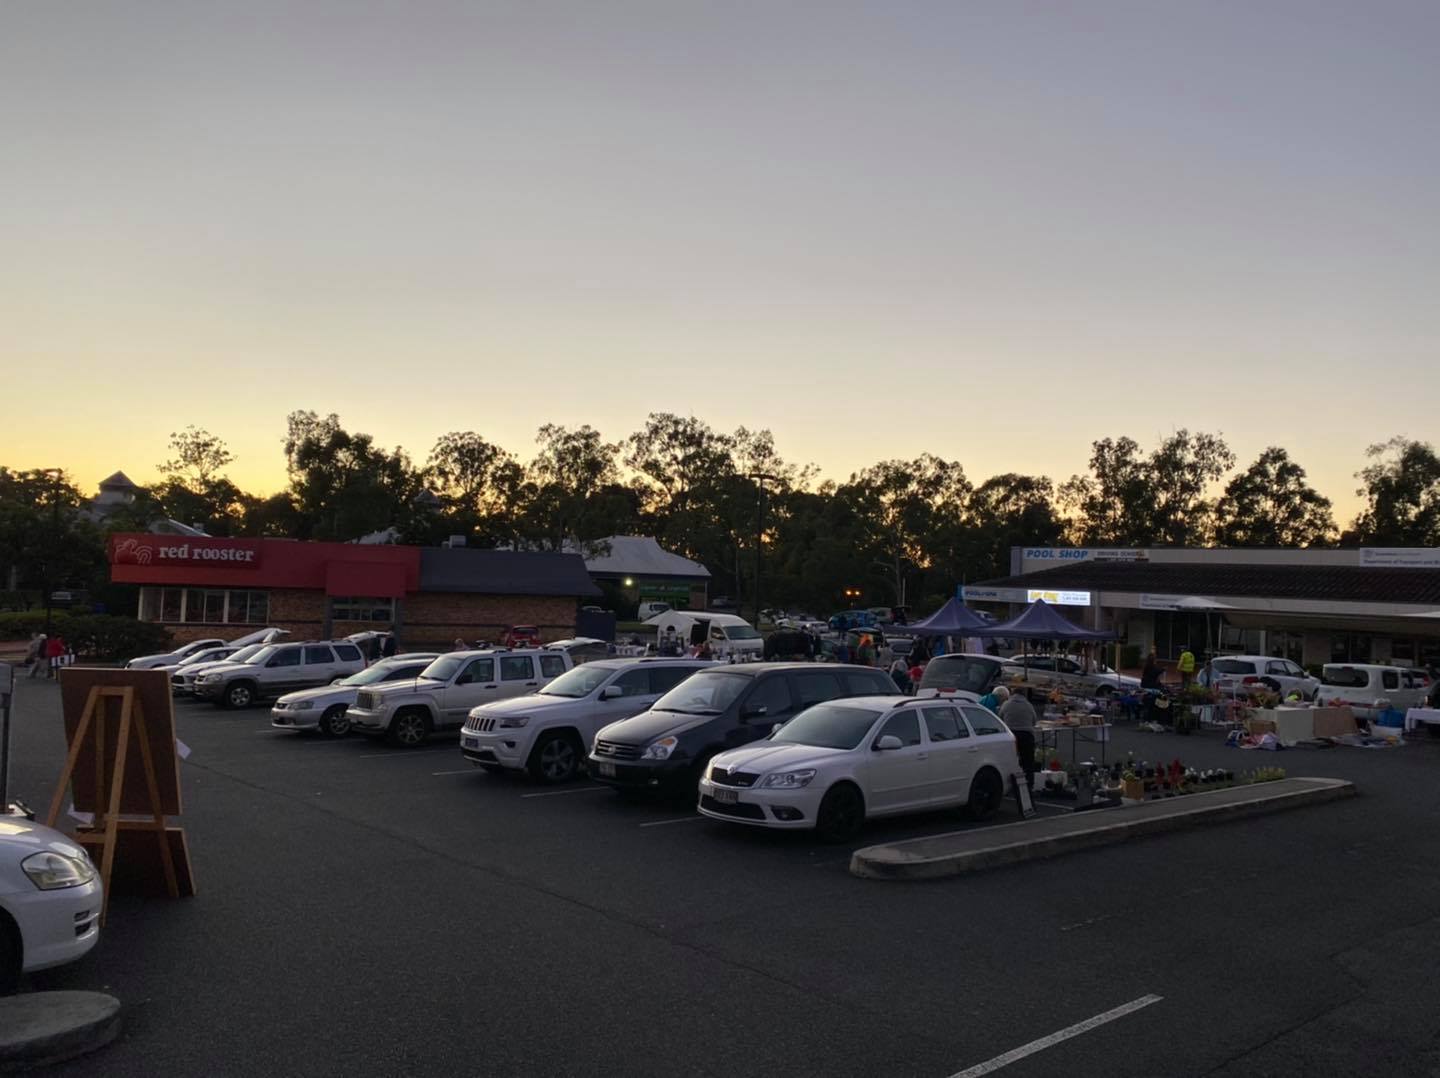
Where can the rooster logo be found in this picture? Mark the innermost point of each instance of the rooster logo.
(135, 552)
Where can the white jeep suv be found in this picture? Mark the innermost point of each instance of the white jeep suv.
(549, 733)
(408, 712)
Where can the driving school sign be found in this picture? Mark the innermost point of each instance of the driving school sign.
(153, 550)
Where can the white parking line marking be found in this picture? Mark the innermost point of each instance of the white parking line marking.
(561, 793)
(992, 1065)
(678, 819)
(462, 771)
(400, 754)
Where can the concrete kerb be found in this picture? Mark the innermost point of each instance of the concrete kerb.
(40, 1028)
(973, 851)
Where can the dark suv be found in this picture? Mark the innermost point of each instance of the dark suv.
(666, 748)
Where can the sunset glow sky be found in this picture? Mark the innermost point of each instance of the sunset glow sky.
(992, 231)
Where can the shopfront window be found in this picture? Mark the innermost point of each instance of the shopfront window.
(361, 609)
(1350, 647)
(204, 606)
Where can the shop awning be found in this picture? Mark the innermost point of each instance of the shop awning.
(1041, 621)
(364, 580)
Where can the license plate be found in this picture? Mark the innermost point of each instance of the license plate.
(472, 742)
(608, 770)
(725, 797)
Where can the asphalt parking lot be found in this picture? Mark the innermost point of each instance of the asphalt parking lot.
(367, 910)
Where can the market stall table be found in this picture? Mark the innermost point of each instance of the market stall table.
(1048, 731)
(1421, 716)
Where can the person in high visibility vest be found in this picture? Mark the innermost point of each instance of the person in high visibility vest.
(1187, 668)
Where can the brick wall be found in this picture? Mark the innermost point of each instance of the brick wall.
(436, 619)
(428, 620)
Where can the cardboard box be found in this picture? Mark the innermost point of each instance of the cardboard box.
(1256, 727)
(1334, 722)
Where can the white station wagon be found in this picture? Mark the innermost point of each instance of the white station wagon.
(837, 764)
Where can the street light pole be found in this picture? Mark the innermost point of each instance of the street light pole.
(760, 480)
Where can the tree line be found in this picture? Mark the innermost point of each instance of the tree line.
(898, 532)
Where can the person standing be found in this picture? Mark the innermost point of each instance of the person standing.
(35, 652)
(1018, 714)
(865, 653)
(1150, 676)
(55, 654)
(901, 677)
(1187, 668)
(995, 698)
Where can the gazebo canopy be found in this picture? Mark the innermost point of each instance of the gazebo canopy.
(952, 619)
(1041, 621)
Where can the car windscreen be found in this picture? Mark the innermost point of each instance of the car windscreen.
(741, 632)
(705, 693)
(443, 668)
(371, 674)
(1344, 677)
(1232, 666)
(581, 681)
(208, 656)
(959, 673)
(245, 654)
(828, 726)
(261, 657)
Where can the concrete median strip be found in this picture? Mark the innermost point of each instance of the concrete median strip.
(991, 847)
(46, 1027)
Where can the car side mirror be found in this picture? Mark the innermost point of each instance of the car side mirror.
(777, 728)
(889, 743)
(611, 692)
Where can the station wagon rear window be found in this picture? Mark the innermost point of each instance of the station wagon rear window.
(1232, 666)
(1345, 677)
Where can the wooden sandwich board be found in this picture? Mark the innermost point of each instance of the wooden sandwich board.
(123, 772)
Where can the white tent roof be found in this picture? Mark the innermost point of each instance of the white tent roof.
(641, 555)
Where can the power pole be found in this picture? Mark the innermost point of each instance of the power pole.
(760, 480)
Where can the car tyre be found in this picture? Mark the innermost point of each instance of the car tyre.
(410, 728)
(555, 758)
(987, 791)
(239, 695)
(841, 814)
(11, 956)
(334, 723)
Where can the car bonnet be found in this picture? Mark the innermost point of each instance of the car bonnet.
(776, 756)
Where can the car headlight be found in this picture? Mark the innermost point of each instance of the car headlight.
(661, 750)
(52, 871)
(210, 677)
(303, 705)
(788, 780)
(511, 722)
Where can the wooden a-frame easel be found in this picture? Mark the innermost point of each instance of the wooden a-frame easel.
(107, 825)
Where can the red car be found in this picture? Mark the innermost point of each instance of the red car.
(521, 636)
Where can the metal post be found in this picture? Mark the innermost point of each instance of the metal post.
(7, 691)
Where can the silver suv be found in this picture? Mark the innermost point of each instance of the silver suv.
(549, 733)
(278, 669)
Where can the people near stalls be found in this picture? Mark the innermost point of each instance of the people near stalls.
(901, 676)
(1019, 714)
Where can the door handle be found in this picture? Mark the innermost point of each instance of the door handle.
(490, 686)
(922, 756)
(973, 748)
(531, 684)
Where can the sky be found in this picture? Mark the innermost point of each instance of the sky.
(991, 231)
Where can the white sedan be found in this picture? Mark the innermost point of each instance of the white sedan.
(837, 764)
(324, 708)
(49, 900)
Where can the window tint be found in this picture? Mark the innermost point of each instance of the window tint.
(858, 683)
(772, 694)
(1390, 679)
(665, 678)
(981, 721)
(905, 726)
(404, 673)
(817, 688)
(1233, 666)
(318, 653)
(1067, 666)
(516, 668)
(551, 665)
(633, 683)
(479, 670)
(1277, 668)
(943, 724)
(348, 653)
(285, 657)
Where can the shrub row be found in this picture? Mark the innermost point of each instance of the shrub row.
(102, 637)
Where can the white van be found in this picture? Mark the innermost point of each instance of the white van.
(1368, 689)
(730, 635)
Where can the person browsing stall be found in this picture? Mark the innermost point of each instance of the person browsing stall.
(1019, 714)
(995, 698)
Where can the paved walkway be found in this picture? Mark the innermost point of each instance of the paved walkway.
(990, 847)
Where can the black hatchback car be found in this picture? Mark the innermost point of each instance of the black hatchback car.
(667, 748)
